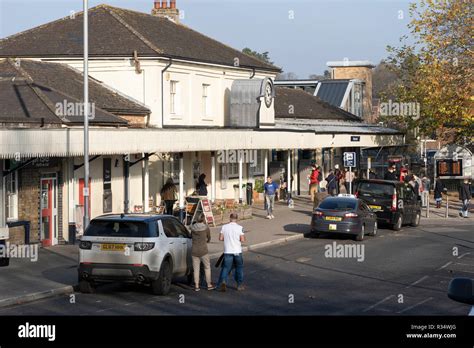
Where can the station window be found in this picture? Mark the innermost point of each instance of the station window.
(205, 100)
(174, 97)
(11, 189)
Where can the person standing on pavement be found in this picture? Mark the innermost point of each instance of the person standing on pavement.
(465, 196)
(391, 174)
(314, 181)
(201, 235)
(232, 234)
(372, 174)
(331, 183)
(201, 186)
(438, 191)
(169, 195)
(425, 183)
(270, 189)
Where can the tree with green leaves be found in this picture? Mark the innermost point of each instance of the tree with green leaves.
(264, 57)
(436, 71)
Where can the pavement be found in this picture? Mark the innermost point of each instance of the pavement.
(54, 273)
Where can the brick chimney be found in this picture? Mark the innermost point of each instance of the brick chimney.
(356, 69)
(163, 8)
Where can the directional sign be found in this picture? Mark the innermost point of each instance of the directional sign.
(349, 159)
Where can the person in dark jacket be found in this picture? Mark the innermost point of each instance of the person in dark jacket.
(438, 191)
(372, 174)
(201, 186)
(331, 183)
(465, 196)
(201, 235)
(168, 194)
(391, 174)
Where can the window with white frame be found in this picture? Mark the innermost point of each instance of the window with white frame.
(11, 190)
(233, 170)
(259, 167)
(205, 100)
(174, 97)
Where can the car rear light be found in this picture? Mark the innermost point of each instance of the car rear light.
(85, 244)
(356, 194)
(139, 246)
(350, 215)
(318, 213)
(394, 202)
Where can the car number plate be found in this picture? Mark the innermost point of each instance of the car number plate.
(332, 227)
(333, 218)
(375, 207)
(112, 247)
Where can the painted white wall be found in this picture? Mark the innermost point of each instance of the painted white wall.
(145, 87)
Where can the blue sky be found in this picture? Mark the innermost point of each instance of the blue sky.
(300, 35)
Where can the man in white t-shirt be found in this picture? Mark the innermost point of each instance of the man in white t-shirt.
(233, 236)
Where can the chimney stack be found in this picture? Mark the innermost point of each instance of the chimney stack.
(162, 9)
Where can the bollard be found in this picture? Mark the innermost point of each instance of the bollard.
(428, 205)
(447, 206)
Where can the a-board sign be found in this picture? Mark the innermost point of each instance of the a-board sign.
(207, 210)
(197, 205)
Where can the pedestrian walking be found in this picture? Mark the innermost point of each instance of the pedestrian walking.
(438, 191)
(426, 184)
(331, 183)
(391, 174)
(201, 186)
(314, 180)
(169, 194)
(270, 189)
(232, 234)
(372, 174)
(465, 196)
(201, 235)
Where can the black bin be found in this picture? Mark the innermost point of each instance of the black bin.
(249, 190)
(72, 233)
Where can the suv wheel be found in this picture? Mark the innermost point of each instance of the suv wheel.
(416, 221)
(398, 225)
(86, 287)
(374, 232)
(361, 234)
(162, 285)
(314, 234)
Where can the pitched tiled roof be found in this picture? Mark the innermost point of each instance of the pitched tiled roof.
(120, 32)
(30, 92)
(296, 103)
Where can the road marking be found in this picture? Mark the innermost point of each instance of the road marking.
(417, 282)
(303, 259)
(128, 304)
(461, 256)
(378, 303)
(415, 305)
(103, 310)
(444, 266)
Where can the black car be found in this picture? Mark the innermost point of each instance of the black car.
(345, 215)
(394, 202)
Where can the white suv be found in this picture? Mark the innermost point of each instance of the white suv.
(139, 248)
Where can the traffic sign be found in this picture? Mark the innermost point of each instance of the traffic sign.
(349, 159)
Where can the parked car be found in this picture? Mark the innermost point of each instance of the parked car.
(139, 248)
(395, 203)
(462, 290)
(345, 215)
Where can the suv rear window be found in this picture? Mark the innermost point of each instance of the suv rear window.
(338, 204)
(106, 228)
(370, 189)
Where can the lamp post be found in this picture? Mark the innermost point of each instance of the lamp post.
(86, 116)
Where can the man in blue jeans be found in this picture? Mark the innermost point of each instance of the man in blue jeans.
(270, 188)
(233, 236)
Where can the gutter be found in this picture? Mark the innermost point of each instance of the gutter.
(162, 92)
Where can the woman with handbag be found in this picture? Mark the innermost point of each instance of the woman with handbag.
(169, 194)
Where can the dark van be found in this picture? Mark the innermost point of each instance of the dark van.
(395, 203)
